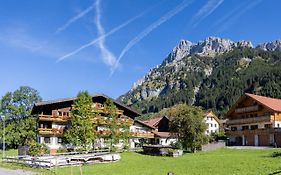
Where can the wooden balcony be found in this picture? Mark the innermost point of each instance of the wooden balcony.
(142, 135)
(249, 120)
(55, 118)
(120, 121)
(50, 131)
(102, 109)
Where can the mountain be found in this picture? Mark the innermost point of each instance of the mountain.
(212, 73)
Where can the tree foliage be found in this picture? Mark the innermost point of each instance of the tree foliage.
(82, 131)
(20, 124)
(113, 125)
(187, 123)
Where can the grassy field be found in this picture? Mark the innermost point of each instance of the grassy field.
(224, 161)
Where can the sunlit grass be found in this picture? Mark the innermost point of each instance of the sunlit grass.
(220, 162)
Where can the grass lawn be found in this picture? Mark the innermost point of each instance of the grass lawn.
(224, 161)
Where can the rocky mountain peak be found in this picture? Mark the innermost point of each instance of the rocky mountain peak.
(208, 47)
(180, 51)
(244, 43)
(271, 46)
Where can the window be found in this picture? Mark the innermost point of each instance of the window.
(47, 140)
(233, 128)
(215, 125)
(212, 119)
(253, 127)
(278, 125)
(211, 125)
(59, 140)
(245, 128)
(267, 125)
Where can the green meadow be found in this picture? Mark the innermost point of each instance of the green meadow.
(224, 161)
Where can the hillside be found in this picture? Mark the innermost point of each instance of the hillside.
(212, 73)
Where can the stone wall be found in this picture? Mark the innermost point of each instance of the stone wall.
(213, 146)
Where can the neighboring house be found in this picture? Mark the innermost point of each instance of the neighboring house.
(255, 121)
(212, 122)
(54, 116)
(141, 133)
(162, 133)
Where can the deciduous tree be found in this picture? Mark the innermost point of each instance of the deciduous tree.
(187, 123)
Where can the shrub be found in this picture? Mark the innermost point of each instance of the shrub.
(36, 149)
(62, 150)
(276, 154)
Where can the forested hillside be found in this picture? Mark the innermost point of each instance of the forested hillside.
(213, 80)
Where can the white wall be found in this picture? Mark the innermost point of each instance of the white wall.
(212, 125)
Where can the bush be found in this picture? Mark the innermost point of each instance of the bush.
(36, 149)
(276, 154)
(62, 150)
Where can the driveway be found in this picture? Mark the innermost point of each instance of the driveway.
(15, 172)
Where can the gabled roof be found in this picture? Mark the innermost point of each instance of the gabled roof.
(144, 124)
(164, 135)
(62, 100)
(271, 103)
(154, 121)
(211, 114)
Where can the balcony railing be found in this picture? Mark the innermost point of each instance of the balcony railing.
(102, 109)
(50, 131)
(57, 118)
(249, 120)
(142, 135)
(104, 120)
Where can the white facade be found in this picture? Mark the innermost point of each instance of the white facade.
(167, 141)
(212, 124)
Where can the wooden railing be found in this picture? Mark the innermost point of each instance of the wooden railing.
(57, 118)
(102, 109)
(249, 120)
(100, 120)
(142, 134)
(50, 131)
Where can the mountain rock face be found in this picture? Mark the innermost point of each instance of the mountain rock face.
(186, 71)
(271, 46)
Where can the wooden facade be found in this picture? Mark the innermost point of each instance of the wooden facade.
(54, 117)
(254, 121)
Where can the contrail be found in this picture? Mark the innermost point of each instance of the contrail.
(107, 56)
(206, 10)
(228, 15)
(105, 35)
(75, 18)
(149, 29)
(240, 13)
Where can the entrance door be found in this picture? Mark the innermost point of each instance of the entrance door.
(256, 140)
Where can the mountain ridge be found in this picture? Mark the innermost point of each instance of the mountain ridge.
(187, 66)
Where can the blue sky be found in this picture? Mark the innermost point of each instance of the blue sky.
(62, 47)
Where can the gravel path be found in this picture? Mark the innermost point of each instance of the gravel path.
(15, 172)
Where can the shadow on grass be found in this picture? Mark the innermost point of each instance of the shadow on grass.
(276, 172)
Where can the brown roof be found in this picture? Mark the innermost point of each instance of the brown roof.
(163, 134)
(271, 103)
(43, 103)
(153, 122)
(144, 124)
